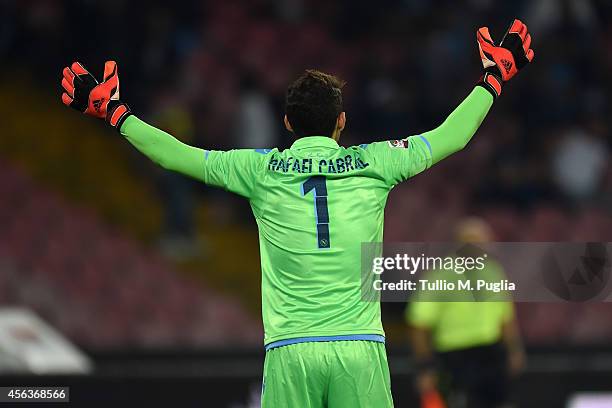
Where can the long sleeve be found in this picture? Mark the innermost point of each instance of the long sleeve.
(457, 130)
(164, 149)
(236, 171)
(398, 160)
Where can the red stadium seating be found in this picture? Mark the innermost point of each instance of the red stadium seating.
(97, 286)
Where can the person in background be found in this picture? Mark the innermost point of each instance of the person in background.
(255, 124)
(580, 162)
(466, 350)
(178, 240)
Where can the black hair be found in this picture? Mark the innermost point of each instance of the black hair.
(313, 103)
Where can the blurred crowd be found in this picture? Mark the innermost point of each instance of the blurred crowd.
(97, 286)
(214, 73)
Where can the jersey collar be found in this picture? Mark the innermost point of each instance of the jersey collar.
(314, 141)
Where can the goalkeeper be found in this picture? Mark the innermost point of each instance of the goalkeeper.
(324, 344)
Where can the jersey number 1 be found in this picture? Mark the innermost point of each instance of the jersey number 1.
(319, 185)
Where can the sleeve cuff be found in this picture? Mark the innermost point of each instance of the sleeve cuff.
(123, 128)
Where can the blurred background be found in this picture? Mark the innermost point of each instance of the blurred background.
(155, 278)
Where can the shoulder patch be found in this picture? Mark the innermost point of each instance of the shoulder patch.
(403, 143)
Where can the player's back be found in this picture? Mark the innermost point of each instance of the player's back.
(315, 204)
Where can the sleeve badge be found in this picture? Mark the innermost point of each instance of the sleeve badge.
(403, 143)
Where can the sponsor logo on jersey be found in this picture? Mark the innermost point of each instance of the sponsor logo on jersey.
(404, 143)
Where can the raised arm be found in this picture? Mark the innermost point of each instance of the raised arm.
(164, 149)
(457, 130)
(234, 170)
(500, 62)
(85, 94)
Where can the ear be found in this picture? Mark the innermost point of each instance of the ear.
(287, 124)
(341, 122)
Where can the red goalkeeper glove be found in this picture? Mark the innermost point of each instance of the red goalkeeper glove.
(502, 62)
(101, 100)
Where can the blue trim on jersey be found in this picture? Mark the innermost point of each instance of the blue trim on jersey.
(263, 151)
(206, 153)
(349, 337)
(363, 145)
(427, 143)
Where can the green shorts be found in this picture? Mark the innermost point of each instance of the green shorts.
(330, 374)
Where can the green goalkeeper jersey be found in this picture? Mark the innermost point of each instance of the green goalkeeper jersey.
(315, 204)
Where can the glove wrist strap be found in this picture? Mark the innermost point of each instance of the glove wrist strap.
(116, 113)
(491, 83)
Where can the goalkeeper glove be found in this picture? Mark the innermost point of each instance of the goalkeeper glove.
(502, 62)
(101, 100)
